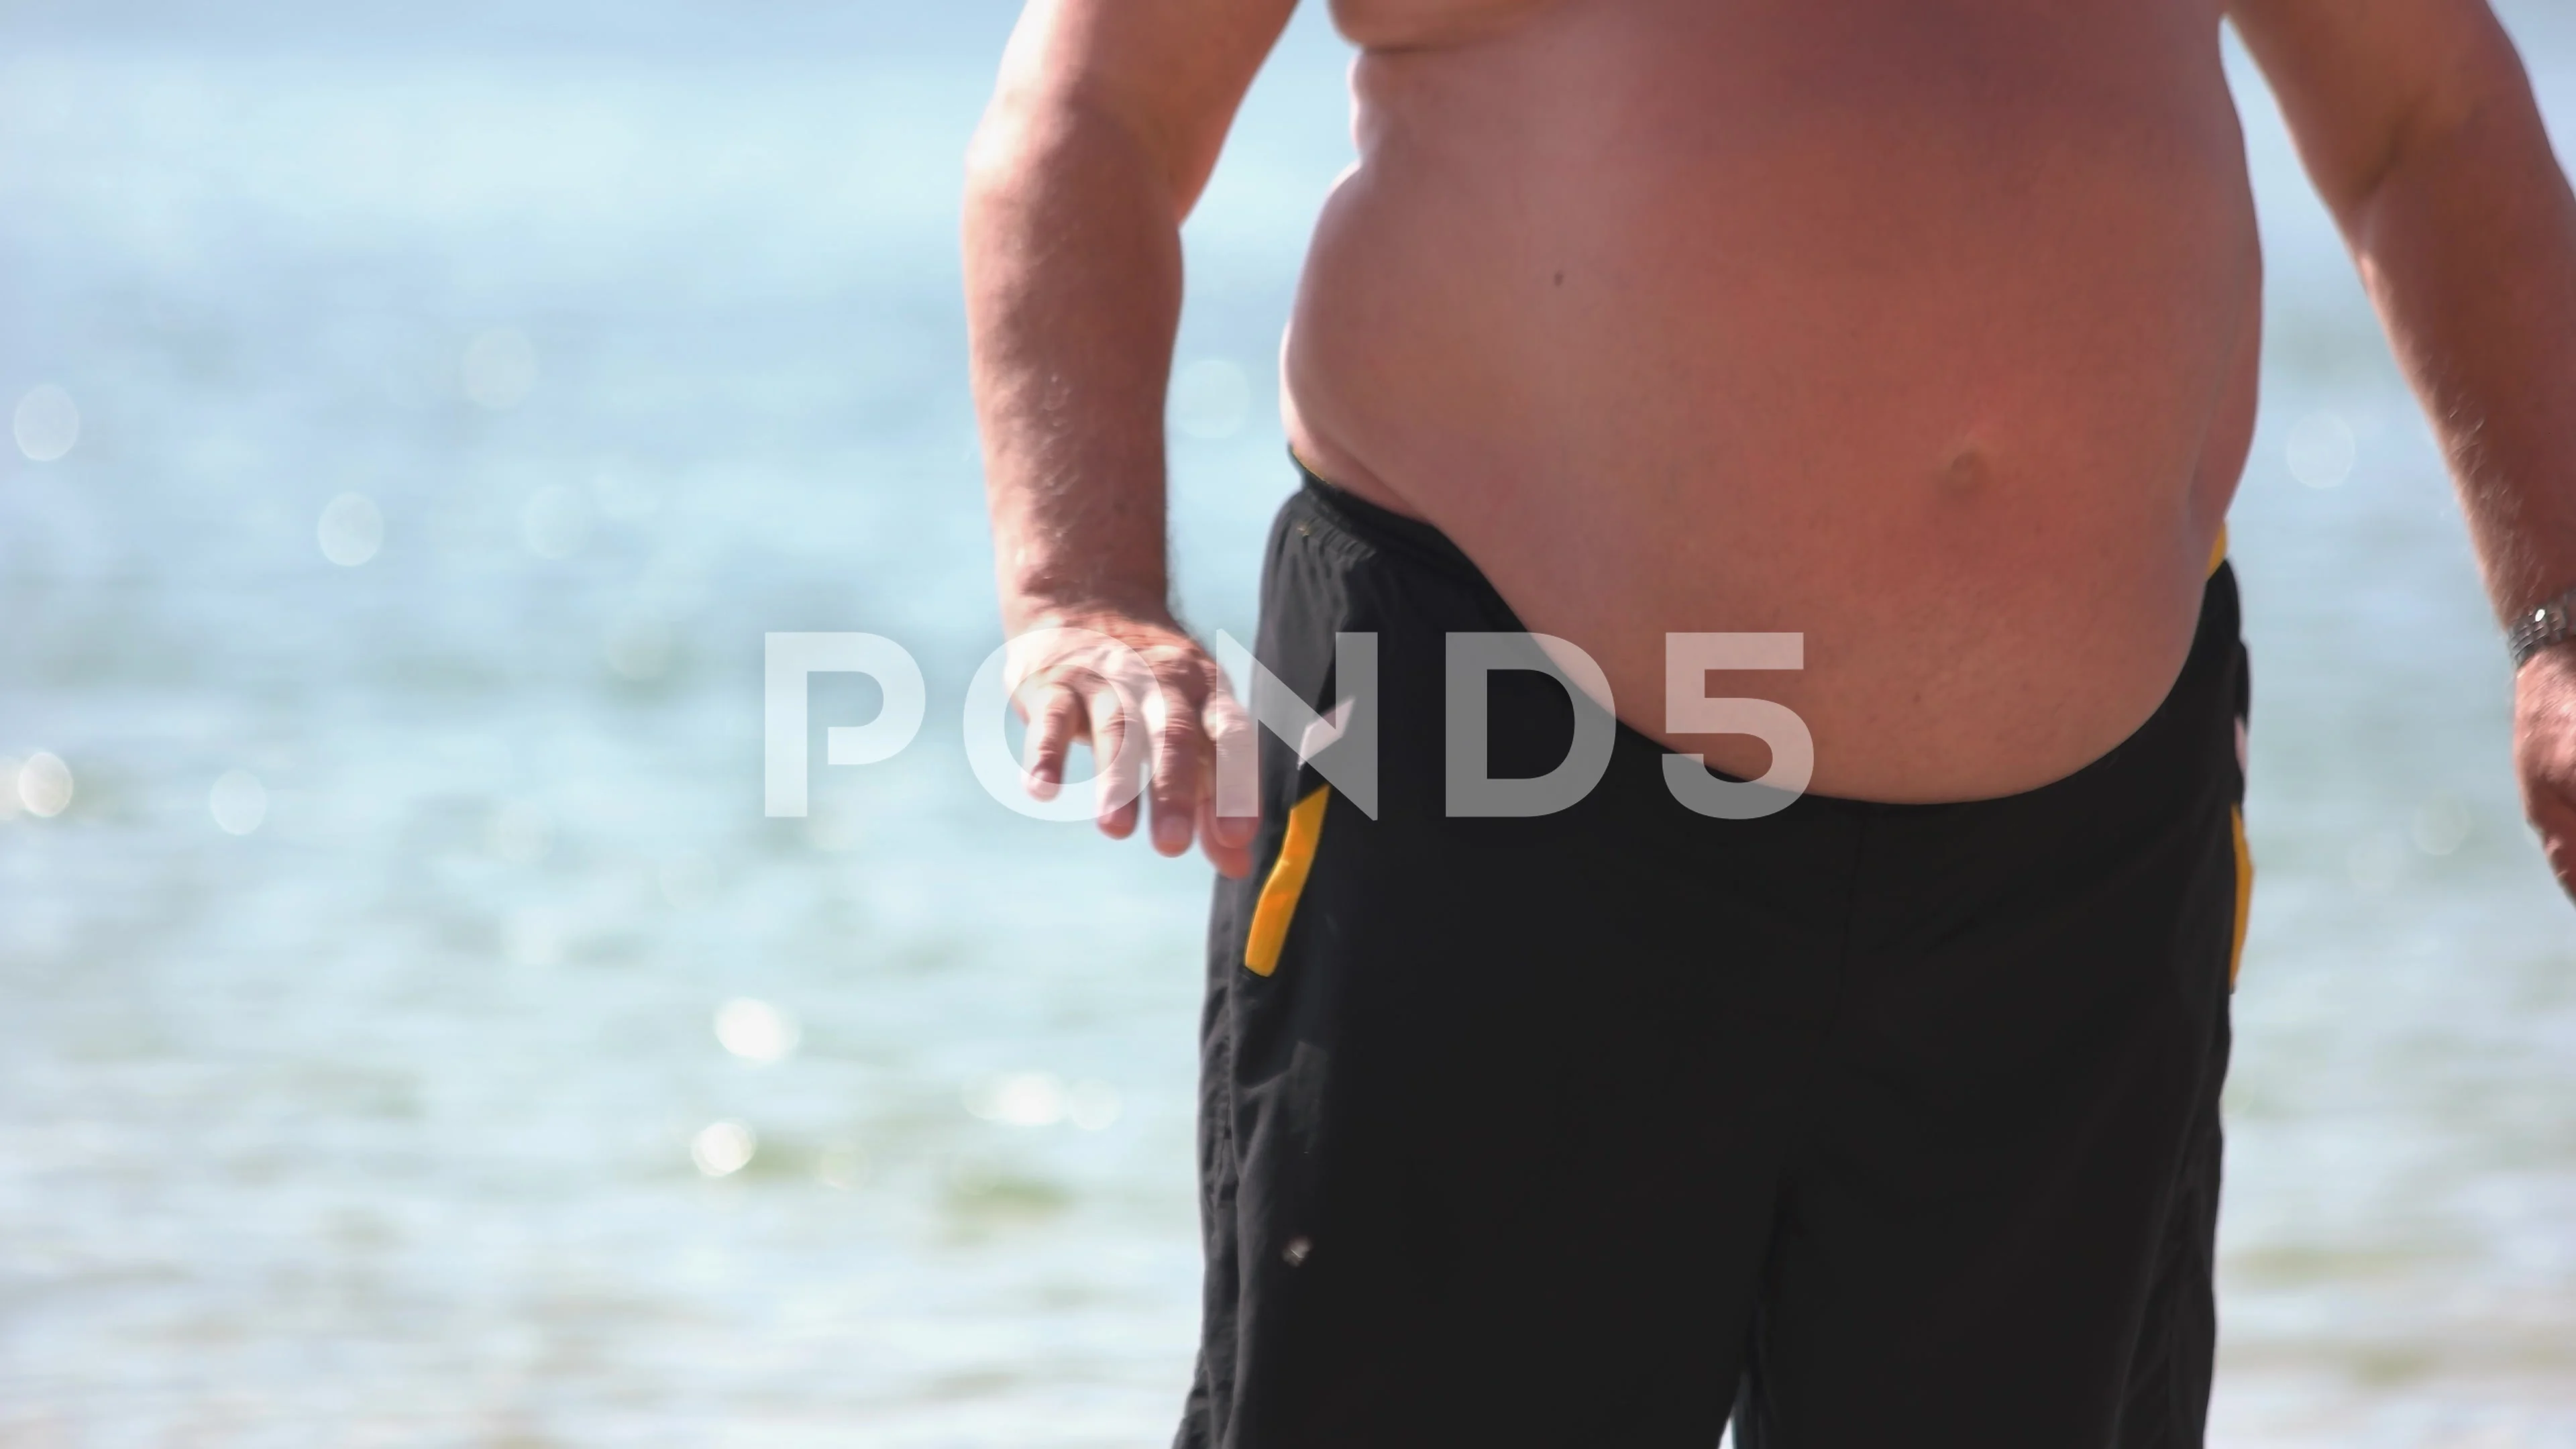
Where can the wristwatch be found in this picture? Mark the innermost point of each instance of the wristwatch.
(2552, 623)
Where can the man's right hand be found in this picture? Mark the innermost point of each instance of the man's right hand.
(1075, 683)
(1105, 124)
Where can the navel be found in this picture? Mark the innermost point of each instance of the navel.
(1965, 474)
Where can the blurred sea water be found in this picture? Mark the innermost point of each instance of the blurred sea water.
(411, 1029)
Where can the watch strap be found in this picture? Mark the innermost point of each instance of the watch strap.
(2536, 629)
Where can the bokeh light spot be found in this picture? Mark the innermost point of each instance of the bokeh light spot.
(722, 1149)
(351, 530)
(238, 802)
(756, 1031)
(1019, 1099)
(47, 423)
(45, 784)
(2322, 450)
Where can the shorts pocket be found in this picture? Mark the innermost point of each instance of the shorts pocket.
(1277, 905)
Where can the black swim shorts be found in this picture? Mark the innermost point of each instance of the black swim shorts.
(1869, 1125)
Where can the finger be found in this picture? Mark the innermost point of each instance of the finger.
(2555, 817)
(2559, 849)
(1234, 751)
(1113, 717)
(1054, 726)
(1180, 754)
(1232, 858)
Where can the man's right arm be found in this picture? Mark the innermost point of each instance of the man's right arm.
(1105, 125)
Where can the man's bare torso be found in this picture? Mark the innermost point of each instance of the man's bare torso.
(1927, 329)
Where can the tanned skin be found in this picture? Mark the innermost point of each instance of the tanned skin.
(1928, 329)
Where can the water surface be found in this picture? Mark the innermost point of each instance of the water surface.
(638, 335)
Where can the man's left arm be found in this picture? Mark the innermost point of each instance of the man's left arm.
(2417, 124)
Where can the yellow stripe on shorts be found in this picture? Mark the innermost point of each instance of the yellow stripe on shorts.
(2244, 892)
(2218, 551)
(1278, 903)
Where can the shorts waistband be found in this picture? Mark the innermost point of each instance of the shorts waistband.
(1385, 528)
(2210, 684)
